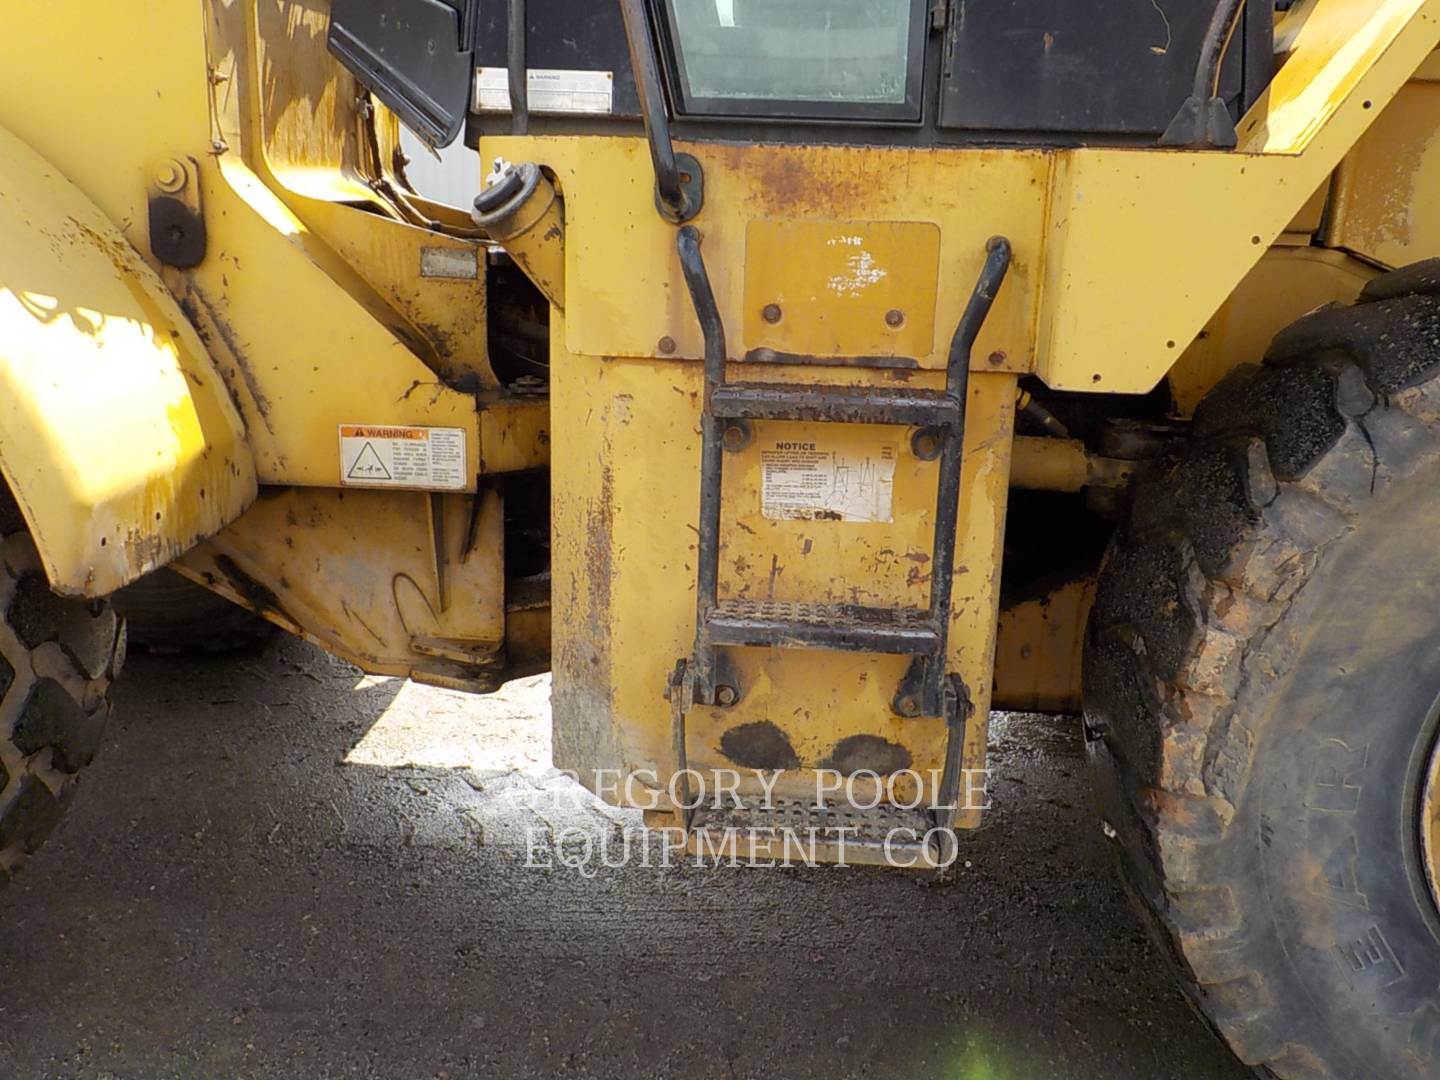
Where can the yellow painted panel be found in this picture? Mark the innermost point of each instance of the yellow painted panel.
(1330, 51)
(626, 454)
(399, 583)
(303, 342)
(1038, 650)
(841, 288)
(1131, 278)
(1285, 284)
(116, 434)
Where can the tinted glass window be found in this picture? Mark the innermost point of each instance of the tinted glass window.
(858, 52)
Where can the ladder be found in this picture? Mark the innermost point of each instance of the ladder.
(927, 689)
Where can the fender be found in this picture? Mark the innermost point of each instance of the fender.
(118, 437)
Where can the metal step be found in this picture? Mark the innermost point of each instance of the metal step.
(845, 627)
(902, 406)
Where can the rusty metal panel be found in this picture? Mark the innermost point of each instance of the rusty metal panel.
(641, 309)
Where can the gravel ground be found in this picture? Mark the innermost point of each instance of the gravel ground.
(281, 868)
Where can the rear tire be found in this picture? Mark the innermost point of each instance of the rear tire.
(58, 657)
(168, 614)
(1262, 688)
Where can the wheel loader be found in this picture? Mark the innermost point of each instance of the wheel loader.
(807, 380)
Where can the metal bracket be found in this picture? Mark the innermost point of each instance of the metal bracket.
(691, 180)
(916, 696)
(958, 710)
(177, 225)
(684, 689)
(679, 181)
(680, 689)
(1204, 122)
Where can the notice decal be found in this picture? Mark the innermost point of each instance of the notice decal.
(808, 481)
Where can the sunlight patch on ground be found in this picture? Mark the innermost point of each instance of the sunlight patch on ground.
(428, 727)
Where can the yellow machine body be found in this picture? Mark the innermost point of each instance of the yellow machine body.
(324, 303)
(330, 307)
(860, 251)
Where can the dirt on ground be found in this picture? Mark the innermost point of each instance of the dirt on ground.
(282, 868)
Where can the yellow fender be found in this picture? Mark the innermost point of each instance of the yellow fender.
(117, 436)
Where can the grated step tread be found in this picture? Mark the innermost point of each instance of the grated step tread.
(846, 627)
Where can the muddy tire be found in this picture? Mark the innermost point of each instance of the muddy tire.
(1262, 671)
(168, 614)
(58, 657)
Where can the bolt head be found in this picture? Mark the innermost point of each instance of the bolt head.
(170, 177)
(997, 357)
(666, 345)
(771, 313)
(907, 706)
(726, 695)
(925, 444)
(734, 437)
(894, 318)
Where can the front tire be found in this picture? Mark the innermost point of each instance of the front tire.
(58, 657)
(1262, 694)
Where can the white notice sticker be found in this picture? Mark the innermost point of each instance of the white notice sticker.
(460, 263)
(428, 458)
(551, 90)
(804, 481)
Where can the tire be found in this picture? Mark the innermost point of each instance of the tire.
(1261, 675)
(168, 614)
(58, 657)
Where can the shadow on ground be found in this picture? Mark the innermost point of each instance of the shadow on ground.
(280, 868)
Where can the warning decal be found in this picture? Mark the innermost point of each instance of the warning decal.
(432, 459)
(805, 481)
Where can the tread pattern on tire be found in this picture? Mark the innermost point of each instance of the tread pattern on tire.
(58, 658)
(1282, 461)
(170, 615)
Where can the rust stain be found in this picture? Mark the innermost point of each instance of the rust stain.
(759, 745)
(775, 571)
(221, 328)
(868, 753)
